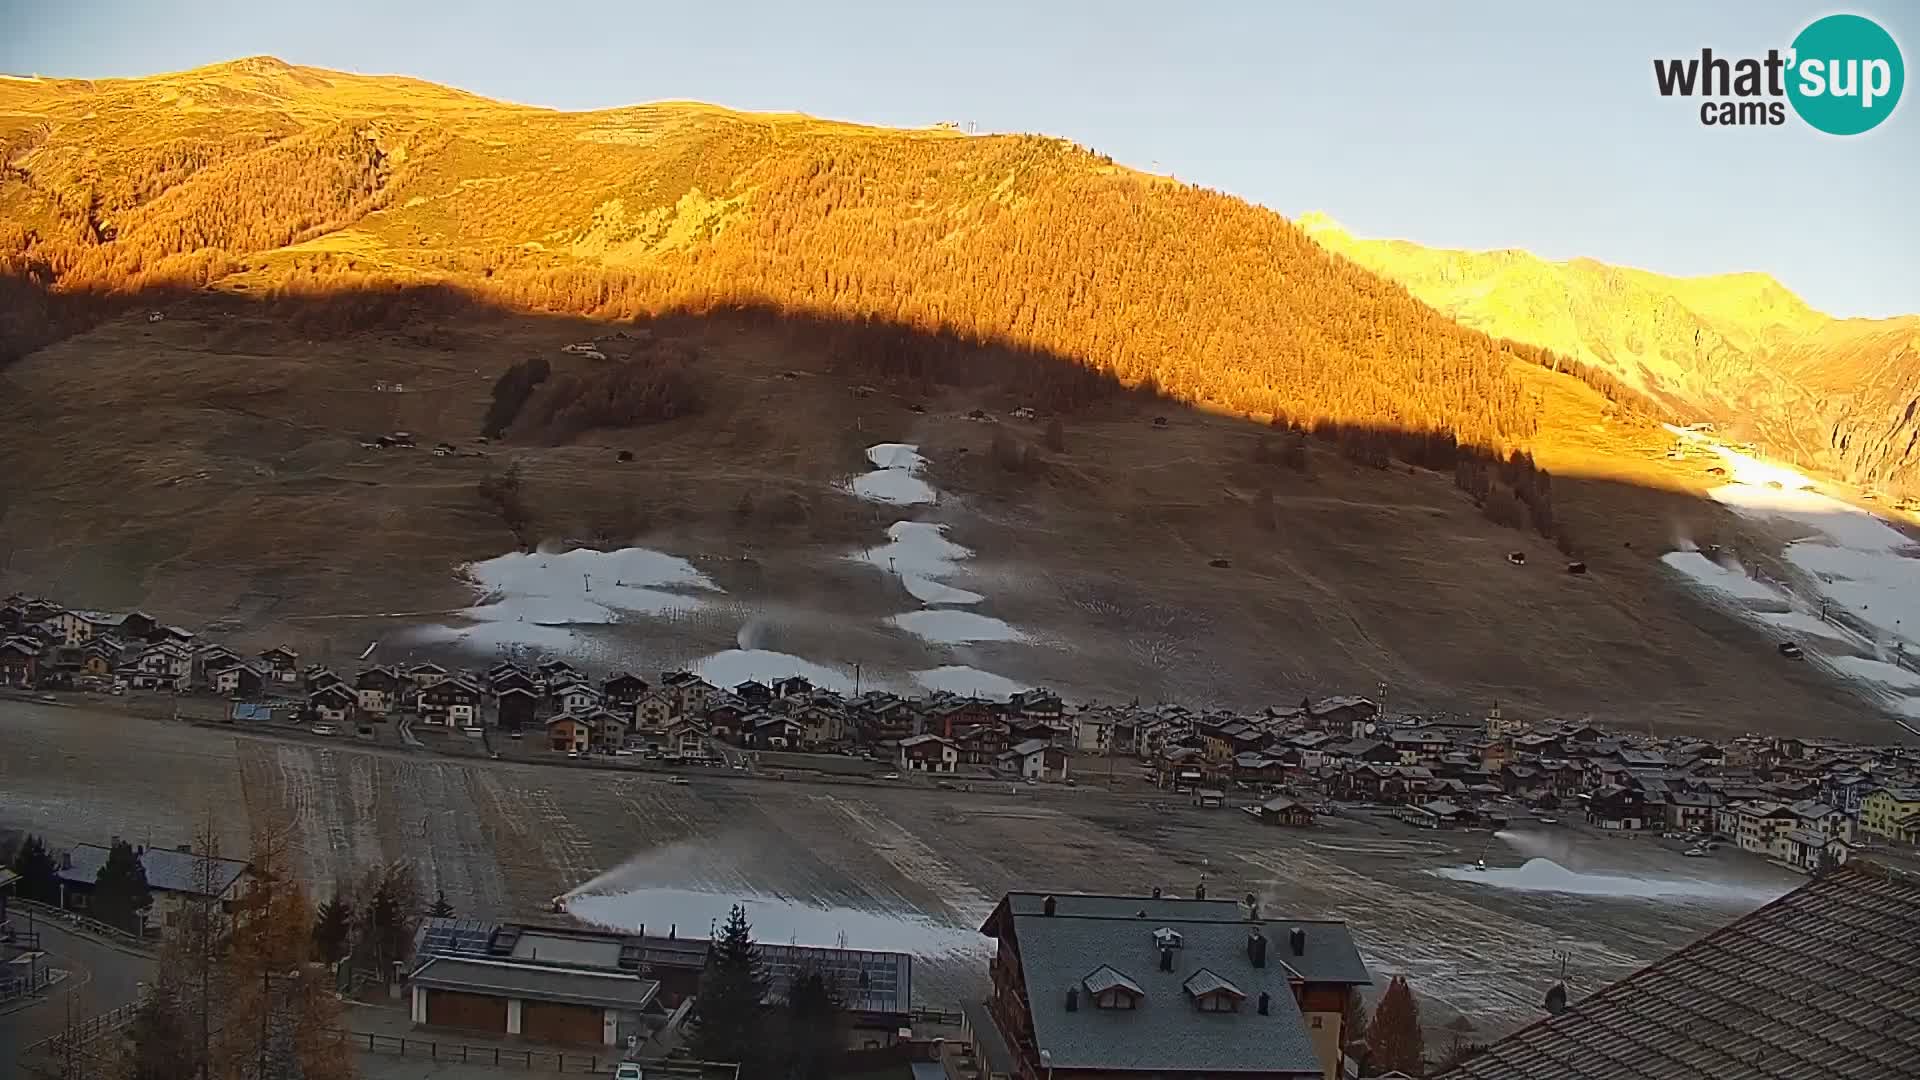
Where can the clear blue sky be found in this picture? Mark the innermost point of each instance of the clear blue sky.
(1502, 124)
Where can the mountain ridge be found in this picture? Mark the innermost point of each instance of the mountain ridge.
(1740, 349)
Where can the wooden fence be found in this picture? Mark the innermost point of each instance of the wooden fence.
(532, 1059)
(61, 916)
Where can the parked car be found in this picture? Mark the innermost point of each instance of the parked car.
(573, 753)
(323, 729)
(628, 1070)
(890, 776)
(676, 779)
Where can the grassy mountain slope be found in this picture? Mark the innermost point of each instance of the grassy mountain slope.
(792, 290)
(1740, 349)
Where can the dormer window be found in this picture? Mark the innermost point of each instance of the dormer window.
(1108, 988)
(1211, 993)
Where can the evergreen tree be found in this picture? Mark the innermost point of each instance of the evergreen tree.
(1353, 1019)
(36, 867)
(732, 990)
(1394, 1040)
(440, 909)
(120, 894)
(812, 1020)
(332, 927)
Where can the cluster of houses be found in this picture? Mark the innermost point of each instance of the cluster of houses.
(1801, 802)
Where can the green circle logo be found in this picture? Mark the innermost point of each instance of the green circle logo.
(1846, 74)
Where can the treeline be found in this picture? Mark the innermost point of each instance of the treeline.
(1018, 260)
(656, 384)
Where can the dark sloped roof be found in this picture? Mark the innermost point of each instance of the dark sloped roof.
(607, 989)
(166, 869)
(1824, 982)
(1166, 1030)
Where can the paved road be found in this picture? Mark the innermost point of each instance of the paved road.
(102, 977)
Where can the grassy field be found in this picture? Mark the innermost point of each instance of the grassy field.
(209, 468)
(503, 838)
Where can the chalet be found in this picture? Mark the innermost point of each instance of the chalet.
(1756, 823)
(725, 712)
(210, 658)
(102, 656)
(1343, 715)
(516, 707)
(655, 708)
(689, 691)
(319, 678)
(378, 689)
(1037, 705)
(1134, 987)
(237, 680)
(165, 666)
(793, 686)
(1617, 807)
(820, 726)
(1691, 812)
(1251, 767)
(609, 730)
(769, 731)
(1035, 759)
(683, 736)
(451, 703)
(425, 674)
(1816, 816)
(176, 879)
(556, 669)
(1053, 732)
(1284, 811)
(570, 733)
(1209, 798)
(1892, 813)
(928, 753)
(756, 694)
(281, 666)
(575, 698)
(505, 676)
(883, 718)
(1416, 745)
(622, 690)
(19, 663)
(1369, 751)
(952, 719)
(333, 703)
(76, 628)
(983, 745)
(1640, 759)
(1436, 814)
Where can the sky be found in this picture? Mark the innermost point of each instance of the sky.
(1480, 125)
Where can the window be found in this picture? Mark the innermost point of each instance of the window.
(77, 901)
(1316, 1021)
(1114, 999)
(1219, 1002)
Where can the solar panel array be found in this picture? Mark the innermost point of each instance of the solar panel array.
(453, 937)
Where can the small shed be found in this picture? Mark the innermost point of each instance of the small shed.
(1288, 812)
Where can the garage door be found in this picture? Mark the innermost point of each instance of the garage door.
(550, 1021)
(473, 1012)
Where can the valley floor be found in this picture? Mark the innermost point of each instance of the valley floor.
(895, 866)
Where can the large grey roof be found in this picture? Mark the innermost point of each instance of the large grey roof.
(1330, 955)
(1166, 1031)
(166, 869)
(607, 989)
(1824, 982)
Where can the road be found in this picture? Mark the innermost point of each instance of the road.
(102, 977)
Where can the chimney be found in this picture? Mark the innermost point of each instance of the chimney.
(1156, 892)
(1166, 958)
(1253, 908)
(1073, 999)
(1266, 1002)
(1200, 891)
(66, 860)
(1257, 948)
(1297, 941)
(673, 931)
(1047, 906)
(114, 842)
(184, 849)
